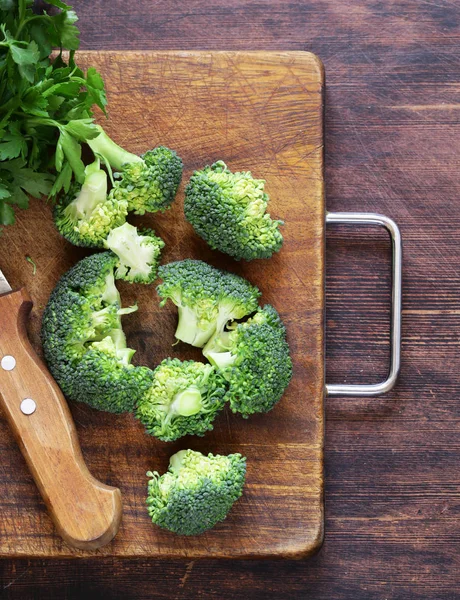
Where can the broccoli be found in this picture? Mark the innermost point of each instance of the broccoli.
(254, 359)
(105, 379)
(84, 343)
(148, 183)
(197, 491)
(85, 214)
(138, 253)
(184, 399)
(207, 298)
(228, 211)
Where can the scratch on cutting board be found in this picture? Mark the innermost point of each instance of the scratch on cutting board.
(188, 570)
(5, 587)
(441, 106)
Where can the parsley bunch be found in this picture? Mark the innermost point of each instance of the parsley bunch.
(45, 103)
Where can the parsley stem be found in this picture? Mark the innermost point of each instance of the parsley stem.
(22, 5)
(26, 21)
(22, 10)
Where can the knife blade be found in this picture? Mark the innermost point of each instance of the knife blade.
(86, 512)
(4, 285)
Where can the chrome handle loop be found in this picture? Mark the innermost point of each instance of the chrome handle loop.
(339, 389)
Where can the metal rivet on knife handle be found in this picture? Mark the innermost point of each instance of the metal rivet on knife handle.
(28, 406)
(8, 362)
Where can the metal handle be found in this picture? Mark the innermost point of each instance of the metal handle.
(338, 389)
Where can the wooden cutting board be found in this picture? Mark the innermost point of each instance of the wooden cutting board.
(257, 111)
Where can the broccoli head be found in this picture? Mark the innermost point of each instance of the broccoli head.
(207, 298)
(138, 253)
(228, 210)
(83, 340)
(86, 214)
(148, 183)
(183, 399)
(254, 358)
(105, 379)
(197, 491)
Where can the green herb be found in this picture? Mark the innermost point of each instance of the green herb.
(34, 266)
(45, 104)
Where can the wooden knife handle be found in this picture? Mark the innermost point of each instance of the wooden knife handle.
(86, 513)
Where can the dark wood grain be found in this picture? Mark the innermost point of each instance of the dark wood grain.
(392, 145)
(259, 111)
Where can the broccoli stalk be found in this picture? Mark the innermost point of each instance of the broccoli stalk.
(207, 298)
(115, 345)
(111, 153)
(93, 192)
(86, 215)
(187, 403)
(184, 398)
(218, 350)
(138, 253)
(148, 183)
(193, 326)
(196, 492)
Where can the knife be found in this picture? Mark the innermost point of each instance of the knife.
(86, 512)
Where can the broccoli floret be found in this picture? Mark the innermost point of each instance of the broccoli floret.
(197, 491)
(68, 317)
(105, 379)
(228, 211)
(254, 358)
(86, 214)
(148, 183)
(183, 399)
(138, 253)
(207, 298)
(83, 340)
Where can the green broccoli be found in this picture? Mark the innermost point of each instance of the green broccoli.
(86, 214)
(83, 340)
(138, 253)
(148, 183)
(228, 211)
(254, 359)
(207, 298)
(184, 399)
(197, 491)
(105, 379)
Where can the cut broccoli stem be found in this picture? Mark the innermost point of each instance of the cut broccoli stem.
(109, 345)
(118, 338)
(110, 294)
(187, 402)
(102, 318)
(176, 461)
(138, 251)
(86, 214)
(184, 399)
(115, 155)
(188, 330)
(221, 360)
(217, 350)
(93, 192)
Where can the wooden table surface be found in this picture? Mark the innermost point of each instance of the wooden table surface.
(392, 463)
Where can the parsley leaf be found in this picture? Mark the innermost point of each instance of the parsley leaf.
(45, 103)
(27, 55)
(6, 214)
